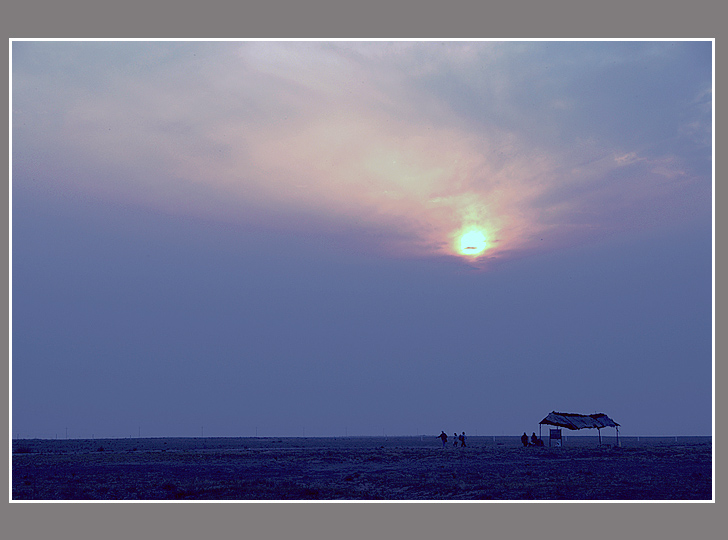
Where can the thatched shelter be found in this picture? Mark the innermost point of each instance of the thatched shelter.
(574, 421)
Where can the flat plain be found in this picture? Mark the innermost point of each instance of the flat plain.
(360, 468)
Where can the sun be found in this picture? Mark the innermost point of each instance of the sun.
(472, 243)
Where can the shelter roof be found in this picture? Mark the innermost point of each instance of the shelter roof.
(576, 421)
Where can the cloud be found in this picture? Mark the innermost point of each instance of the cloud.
(418, 140)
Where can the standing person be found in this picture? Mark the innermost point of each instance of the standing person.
(462, 439)
(534, 439)
(443, 436)
(454, 439)
(524, 439)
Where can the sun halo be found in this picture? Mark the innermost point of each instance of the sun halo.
(472, 243)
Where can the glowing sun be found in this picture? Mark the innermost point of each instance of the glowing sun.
(472, 243)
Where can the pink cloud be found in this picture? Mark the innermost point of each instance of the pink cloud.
(349, 133)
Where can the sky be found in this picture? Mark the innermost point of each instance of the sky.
(329, 238)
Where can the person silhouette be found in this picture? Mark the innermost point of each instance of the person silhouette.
(462, 439)
(524, 439)
(454, 439)
(443, 436)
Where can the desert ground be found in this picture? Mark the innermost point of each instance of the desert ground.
(360, 468)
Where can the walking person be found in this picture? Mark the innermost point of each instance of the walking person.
(454, 439)
(443, 436)
(462, 439)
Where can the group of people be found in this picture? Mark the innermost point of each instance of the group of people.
(535, 441)
(456, 438)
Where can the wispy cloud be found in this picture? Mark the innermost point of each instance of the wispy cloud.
(536, 145)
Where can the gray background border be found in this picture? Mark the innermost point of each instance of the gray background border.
(379, 19)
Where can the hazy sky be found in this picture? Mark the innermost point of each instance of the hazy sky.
(222, 237)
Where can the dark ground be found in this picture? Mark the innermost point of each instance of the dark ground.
(361, 468)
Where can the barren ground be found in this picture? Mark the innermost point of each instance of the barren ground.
(361, 468)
